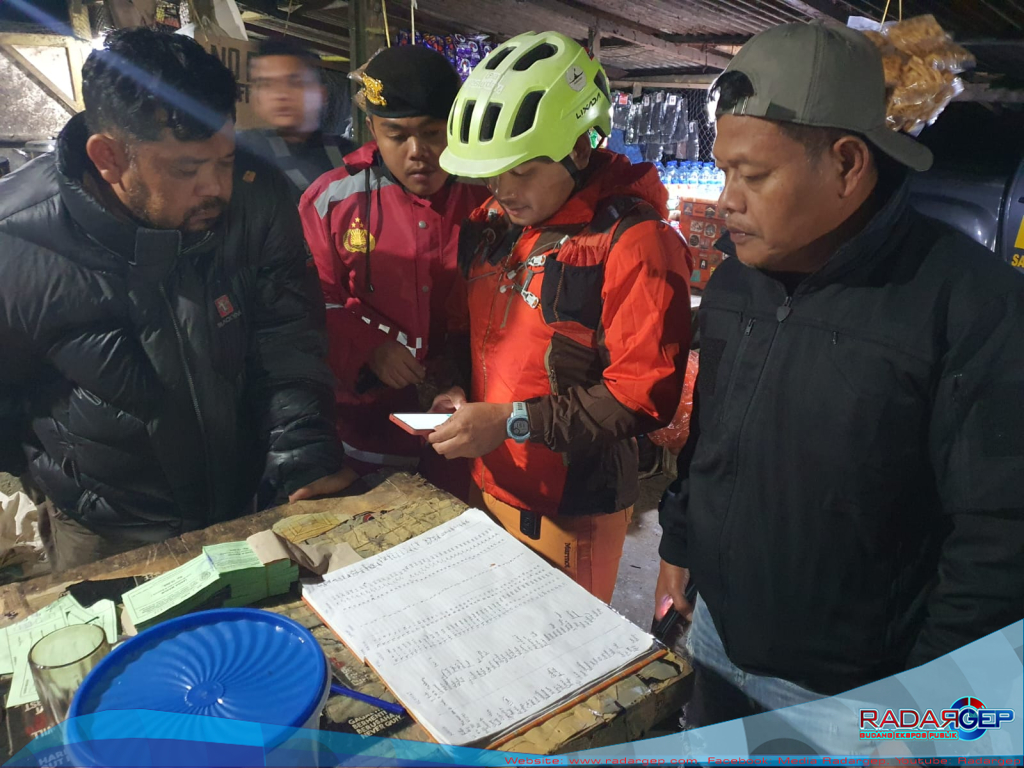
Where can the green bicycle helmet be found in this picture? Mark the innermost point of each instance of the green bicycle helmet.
(532, 97)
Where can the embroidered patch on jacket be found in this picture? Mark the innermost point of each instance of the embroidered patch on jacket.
(224, 306)
(226, 310)
(357, 238)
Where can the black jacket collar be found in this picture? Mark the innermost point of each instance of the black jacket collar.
(153, 252)
(872, 244)
(876, 241)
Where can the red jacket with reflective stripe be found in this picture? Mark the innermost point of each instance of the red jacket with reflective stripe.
(587, 319)
(412, 252)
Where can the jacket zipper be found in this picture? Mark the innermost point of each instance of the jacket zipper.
(781, 313)
(735, 366)
(195, 402)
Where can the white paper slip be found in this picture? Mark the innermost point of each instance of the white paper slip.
(423, 421)
(473, 632)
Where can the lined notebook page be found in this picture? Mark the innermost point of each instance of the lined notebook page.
(473, 632)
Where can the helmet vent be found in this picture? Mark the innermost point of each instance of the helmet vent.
(602, 85)
(532, 56)
(489, 122)
(467, 118)
(527, 113)
(499, 56)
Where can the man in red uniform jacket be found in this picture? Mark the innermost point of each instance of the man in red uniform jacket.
(384, 233)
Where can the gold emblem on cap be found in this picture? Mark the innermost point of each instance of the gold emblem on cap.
(374, 91)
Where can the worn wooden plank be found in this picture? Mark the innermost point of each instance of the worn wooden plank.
(633, 34)
(819, 9)
(36, 75)
(33, 40)
(693, 82)
(79, 16)
(76, 60)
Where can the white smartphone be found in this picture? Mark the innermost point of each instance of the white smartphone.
(420, 423)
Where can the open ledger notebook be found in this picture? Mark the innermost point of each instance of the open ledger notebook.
(475, 634)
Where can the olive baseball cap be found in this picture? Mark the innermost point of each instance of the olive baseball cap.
(825, 75)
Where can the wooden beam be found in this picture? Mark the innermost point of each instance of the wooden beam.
(594, 40)
(986, 94)
(16, 141)
(80, 20)
(32, 40)
(717, 40)
(364, 16)
(682, 82)
(76, 60)
(272, 26)
(625, 31)
(34, 74)
(820, 9)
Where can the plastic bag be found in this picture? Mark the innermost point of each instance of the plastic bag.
(921, 64)
(920, 97)
(632, 133)
(681, 131)
(669, 119)
(620, 112)
(22, 554)
(675, 434)
(646, 117)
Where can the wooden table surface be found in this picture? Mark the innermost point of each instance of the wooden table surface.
(397, 507)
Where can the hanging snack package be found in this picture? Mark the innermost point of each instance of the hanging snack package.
(669, 118)
(681, 130)
(633, 124)
(922, 64)
(657, 115)
(646, 117)
(620, 112)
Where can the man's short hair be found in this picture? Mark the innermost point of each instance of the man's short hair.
(285, 46)
(144, 80)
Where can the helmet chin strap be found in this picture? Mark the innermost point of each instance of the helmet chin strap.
(578, 177)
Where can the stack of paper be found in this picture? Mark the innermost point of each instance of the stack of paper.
(229, 574)
(17, 640)
(474, 633)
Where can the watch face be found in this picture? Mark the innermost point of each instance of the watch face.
(520, 427)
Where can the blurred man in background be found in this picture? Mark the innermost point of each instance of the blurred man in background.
(289, 98)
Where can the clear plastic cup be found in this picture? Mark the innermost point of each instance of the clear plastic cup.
(60, 662)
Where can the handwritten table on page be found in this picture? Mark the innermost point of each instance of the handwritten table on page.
(473, 631)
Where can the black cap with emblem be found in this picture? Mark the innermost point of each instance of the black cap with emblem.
(410, 81)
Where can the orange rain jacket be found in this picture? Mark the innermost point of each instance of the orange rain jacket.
(586, 318)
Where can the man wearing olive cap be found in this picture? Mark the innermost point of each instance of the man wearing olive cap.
(851, 499)
(383, 231)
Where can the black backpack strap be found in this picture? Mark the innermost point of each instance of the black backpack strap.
(617, 214)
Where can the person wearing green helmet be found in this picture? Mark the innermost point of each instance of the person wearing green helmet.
(578, 307)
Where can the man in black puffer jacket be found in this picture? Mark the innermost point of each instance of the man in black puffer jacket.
(850, 501)
(161, 334)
